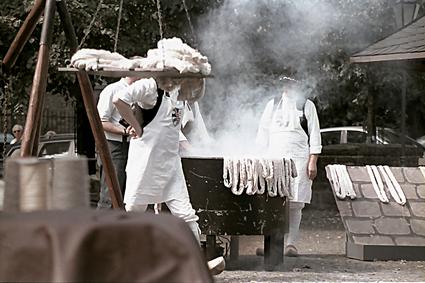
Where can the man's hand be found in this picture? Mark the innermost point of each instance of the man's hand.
(312, 167)
(134, 133)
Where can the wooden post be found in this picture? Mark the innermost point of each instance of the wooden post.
(23, 35)
(39, 82)
(99, 137)
(92, 114)
(273, 250)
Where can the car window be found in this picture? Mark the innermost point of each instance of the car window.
(356, 137)
(329, 138)
(52, 148)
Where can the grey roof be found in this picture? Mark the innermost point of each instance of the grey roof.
(406, 44)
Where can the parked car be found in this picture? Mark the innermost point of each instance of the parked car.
(9, 138)
(356, 134)
(51, 145)
(421, 140)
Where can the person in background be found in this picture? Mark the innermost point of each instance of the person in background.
(154, 168)
(193, 131)
(116, 134)
(17, 131)
(289, 127)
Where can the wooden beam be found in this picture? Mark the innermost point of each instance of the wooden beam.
(388, 57)
(39, 83)
(23, 35)
(67, 25)
(99, 137)
(141, 73)
(92, 114)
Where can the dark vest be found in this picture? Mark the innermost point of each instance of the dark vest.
(145, 116)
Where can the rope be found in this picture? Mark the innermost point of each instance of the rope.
(161, 32)
(158, 7)
(118, 26)
(91, 24)
(189, 20)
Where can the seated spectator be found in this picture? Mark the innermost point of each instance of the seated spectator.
(17, 131)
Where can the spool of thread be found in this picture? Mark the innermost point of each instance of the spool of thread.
(12, 186)
(35, 184)
(70, 186)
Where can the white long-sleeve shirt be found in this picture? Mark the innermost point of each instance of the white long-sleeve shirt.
(106, 108)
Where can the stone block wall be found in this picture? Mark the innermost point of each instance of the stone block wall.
(356, 155)
(369, 222)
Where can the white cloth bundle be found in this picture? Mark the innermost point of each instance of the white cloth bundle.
(97, 59)
(375, 173)
(257, 174)
(171, 53)
(342, 185)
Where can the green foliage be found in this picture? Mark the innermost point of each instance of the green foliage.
(340, 89)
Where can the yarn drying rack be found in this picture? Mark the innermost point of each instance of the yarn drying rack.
(138, 72)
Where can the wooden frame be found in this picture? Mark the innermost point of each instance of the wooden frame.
(141, 73)
(32, 127)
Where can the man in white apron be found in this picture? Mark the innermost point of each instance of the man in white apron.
(281, 132)
(154, 169)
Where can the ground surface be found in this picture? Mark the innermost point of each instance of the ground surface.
(322, 258)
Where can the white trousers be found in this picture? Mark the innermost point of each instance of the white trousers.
(181, 208)
(295, 215)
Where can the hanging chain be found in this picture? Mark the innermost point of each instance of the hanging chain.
(5, 96)
(86, 34)
(118, 26)
(189, 20)
(161, 33)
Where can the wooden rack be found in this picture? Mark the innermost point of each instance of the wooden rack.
(141, 73)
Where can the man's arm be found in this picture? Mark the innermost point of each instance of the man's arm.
(127, 114)
(192, 89)
(312, 166)
(114, 129)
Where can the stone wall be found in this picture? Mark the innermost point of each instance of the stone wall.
(356, 155)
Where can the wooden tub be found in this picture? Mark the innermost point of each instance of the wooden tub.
(223, 213)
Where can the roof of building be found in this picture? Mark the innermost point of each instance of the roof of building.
(407, 43)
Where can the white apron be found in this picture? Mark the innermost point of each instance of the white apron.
(154, 169)
(288, 139)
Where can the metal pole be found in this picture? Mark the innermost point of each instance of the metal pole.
(39, 82)
(23, 35)
(92, 114)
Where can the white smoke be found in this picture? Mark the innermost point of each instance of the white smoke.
(248, 44)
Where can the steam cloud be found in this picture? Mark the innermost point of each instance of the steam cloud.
(248, 44)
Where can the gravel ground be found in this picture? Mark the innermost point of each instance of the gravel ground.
(322, 258)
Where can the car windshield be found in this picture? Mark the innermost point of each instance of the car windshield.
(52, 148)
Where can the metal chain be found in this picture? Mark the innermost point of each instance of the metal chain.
(118, 26)
(189, 20)
(5, 95)
(91, 24)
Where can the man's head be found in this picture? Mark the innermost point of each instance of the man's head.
(17, 131)
(168, 84)
(288, 83)
(131, 80)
